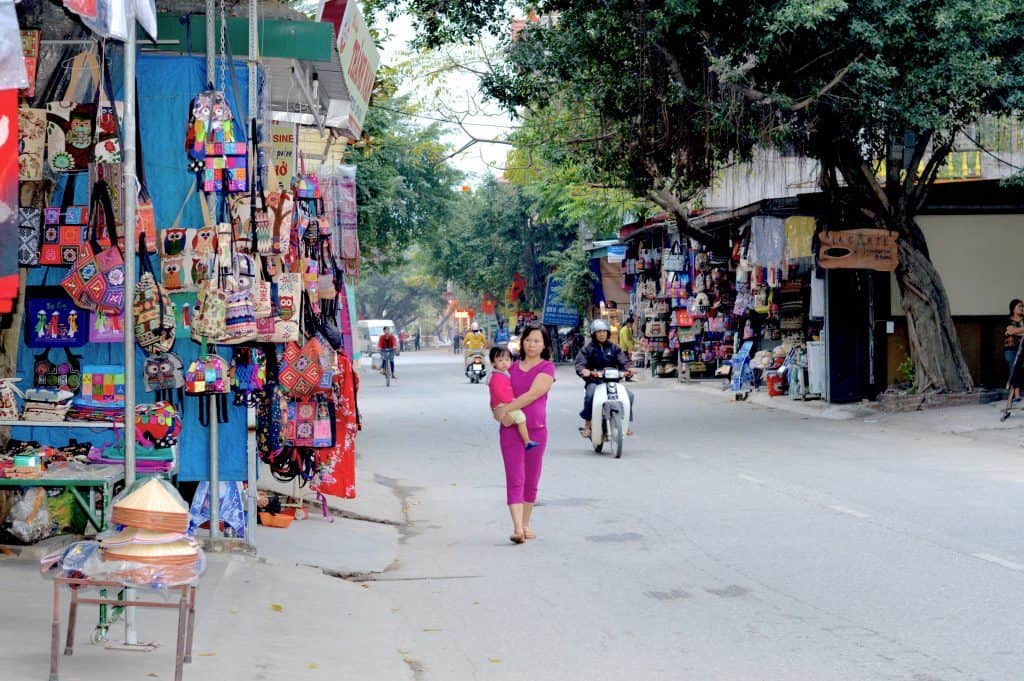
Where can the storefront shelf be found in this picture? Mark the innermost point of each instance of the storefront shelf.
(61, 424)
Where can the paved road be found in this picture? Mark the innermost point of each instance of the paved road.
(730, 542)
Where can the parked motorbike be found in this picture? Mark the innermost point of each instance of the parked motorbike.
(476, 370)
(611, 402)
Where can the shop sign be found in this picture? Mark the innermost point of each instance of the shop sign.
(556, 312)
(616, 253)
(282, 154)
(359, 58)
(858, 249)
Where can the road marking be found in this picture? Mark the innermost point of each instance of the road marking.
(751, 478)
(848, 511)
(999, 561)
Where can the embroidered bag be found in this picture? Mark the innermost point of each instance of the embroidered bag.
(300, 368)
(281, 213)
(248, 375)
(208, 375)
(310, 423)
(30, 226)
(65, 227)
(102, 385)
(31, 143)
(96, 280)
(674, 259)
(271, 414)
(52, 320)
(152, 310)
(64, 376)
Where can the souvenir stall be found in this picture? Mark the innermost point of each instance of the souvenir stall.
(649, 306)
(239, 301)
(776, 285)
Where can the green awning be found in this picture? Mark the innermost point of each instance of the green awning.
(303, 40)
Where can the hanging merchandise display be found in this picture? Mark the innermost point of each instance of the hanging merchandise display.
(96, 279)
(152, 310)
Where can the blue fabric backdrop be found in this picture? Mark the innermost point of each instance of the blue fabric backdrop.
(166, 86)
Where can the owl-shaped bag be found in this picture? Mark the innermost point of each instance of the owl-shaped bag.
(164, 374)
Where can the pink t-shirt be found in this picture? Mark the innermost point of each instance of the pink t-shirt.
(536, 413)
(501, 389)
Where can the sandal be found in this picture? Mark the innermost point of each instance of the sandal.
(529, 534)
(585, 432)
(516, 539)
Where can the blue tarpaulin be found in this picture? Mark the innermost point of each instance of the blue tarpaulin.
(166, 86)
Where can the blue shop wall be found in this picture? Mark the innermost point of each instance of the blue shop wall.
(166, 86)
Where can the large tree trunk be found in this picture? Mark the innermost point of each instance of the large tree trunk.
(934, 346)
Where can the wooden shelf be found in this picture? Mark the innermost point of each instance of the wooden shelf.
(61, 424)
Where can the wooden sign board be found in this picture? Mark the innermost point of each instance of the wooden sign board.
(858, 249)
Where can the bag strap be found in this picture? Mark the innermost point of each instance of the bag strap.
(184, 204)
(101, 196)
(68, 195)
(81, 62)
(146, 265)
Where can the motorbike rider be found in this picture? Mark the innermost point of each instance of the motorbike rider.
(600, 353)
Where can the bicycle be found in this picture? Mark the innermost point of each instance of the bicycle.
(387, 359)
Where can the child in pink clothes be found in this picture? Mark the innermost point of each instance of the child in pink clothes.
(501, 391)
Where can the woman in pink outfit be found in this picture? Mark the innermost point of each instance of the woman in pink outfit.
(532, 378)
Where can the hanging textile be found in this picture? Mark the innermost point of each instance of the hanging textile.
(338, 187)
(338, 463)
(799, 234)
(9, 222)
(767, 241)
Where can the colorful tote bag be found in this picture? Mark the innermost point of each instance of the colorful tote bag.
(52, 320)
(96, 280)
(152, 310)
(66, 375)
(310, 423)
(106, 327)
(102, 385)
(31, 143)
(65, 228)
(70, 129)
(300, 371)
(281, 213)
(30, 226)
(182, 304)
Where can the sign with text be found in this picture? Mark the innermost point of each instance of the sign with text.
(282, 155)
(359, 57)
(858, 249)
(556, 312)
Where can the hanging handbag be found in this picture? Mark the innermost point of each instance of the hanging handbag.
(185, 254)
(152, 310)
(674, 259)
(311, 423)
(30, 230)
(65, 227)
(248, 375)
(164, 375)
(286, 298)
(271, 413)
(31, 143)
(9, 393)
(281, 213)
(301, 371)
(52, 320)
(250, 220)
(96, 280)
(206, 376)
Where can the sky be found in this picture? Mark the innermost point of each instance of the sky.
(461, 93)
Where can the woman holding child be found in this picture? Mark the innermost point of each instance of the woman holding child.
(531, 378)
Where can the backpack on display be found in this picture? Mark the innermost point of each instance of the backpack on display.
(164, 375)
(206, 376)
(248, 375)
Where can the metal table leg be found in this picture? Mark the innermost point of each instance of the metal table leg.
(191, 622)
(69, 646)
(55, 632)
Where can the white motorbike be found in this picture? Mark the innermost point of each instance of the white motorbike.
(611, 404)
(476, 370)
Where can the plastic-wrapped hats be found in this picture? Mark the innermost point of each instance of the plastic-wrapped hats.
(152, 505)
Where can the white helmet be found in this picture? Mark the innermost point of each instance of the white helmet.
(599, 325)
(474, 326)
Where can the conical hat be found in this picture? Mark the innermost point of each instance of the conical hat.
(134, 535)
(154, 495)
(181, 547)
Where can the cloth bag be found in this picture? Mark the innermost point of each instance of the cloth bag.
(31, 143)
(152, 309)
(65, 227)
(102, 385)
(96, 280)
(300, 371)
(52, 320)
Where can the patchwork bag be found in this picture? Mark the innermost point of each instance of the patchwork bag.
(52, 320)
(206, 376)
(65, 227)
(164, 375)
(152, 309)
(157, 425)
(102, 385)
(300, 371)
(310, 423)
(96, 280)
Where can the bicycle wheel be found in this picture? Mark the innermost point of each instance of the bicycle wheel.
(387, 373)
(615, 433)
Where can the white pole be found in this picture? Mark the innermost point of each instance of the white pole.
(250, 473)
(131, 187)
(211, 50)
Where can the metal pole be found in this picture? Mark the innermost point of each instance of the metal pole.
(250, 473)
(211, 39)
(131, 188)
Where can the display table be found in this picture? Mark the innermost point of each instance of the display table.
(186, 605)
(76, 478)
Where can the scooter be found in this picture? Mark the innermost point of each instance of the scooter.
(475, 369)
(611, 401)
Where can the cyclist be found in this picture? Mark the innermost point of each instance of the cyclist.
(387, 345)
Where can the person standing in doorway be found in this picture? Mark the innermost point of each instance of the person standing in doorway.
(1011, 343)
(532, 378)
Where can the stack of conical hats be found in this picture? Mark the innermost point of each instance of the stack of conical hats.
(155, 519)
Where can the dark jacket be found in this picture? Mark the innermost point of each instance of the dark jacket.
(594, 357)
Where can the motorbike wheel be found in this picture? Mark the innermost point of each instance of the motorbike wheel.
(600, 445)
(615, 433)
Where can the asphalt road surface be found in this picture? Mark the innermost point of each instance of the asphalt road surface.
(730, 542)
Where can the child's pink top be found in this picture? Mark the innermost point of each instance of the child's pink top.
(501, 389)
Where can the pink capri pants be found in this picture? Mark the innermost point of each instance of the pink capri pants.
(522, 468)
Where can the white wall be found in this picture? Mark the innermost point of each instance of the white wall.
(980, 259)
